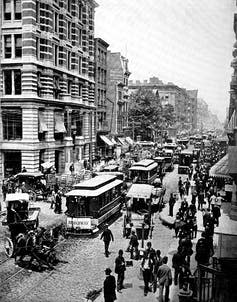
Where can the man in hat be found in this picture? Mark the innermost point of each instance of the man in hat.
(107, 237)
(120, 268)
(109, 286)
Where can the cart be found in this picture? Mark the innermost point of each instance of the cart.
(20, 218)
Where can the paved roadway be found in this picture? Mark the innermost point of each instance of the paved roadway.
(85, 265)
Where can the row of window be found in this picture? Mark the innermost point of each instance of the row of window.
(12, 124)
(13, 84)
(12, 9)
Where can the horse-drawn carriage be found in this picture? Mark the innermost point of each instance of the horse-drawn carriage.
(24, 238)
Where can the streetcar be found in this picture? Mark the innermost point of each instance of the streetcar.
(185, 161)
(92, 202)
(160, 160)
(144, 171)
(138, 215)
(169, 159)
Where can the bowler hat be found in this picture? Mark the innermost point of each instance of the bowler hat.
(107, 271)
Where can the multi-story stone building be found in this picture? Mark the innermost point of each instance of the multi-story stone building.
(46, 84)
(183, 101)
(117, 93)
(104, 146)
(232, 127)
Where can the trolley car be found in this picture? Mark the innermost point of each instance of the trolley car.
(185, 161)
(139, 204)
(144, 171)
(92, 202)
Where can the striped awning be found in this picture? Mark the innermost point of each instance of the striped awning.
(221, 168)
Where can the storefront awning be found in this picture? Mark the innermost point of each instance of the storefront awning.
(59, 126)
(42, 124)
(106, 140)
(122, 141)
(113, 141)
(129, 140)
(221, 168)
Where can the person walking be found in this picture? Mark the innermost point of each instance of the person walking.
(187, 186)
(165, 280)
(120, 268)
(146, 265)
(107, 236)
(171, 204)
(133, 245)
(109, 286)
(177, 262)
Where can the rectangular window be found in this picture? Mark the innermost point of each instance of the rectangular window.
(56, 87)
(79, 64)
(37, 49)
(68, 60)
(69, 5)
(8, 46)
(7, 81)
(12, 123)
(55, 50)
(39, 85)
(12, 79)
(80, 89)
(69, 87)
(37, 11)
(55, 22)
(7, 9)
(17, 9)
(79, 36)
(69, 25)
(17, 81)
(18, 46)
(79, 11)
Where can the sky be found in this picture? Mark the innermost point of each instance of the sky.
(187, 42)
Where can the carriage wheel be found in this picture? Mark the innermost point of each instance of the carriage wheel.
(8, 247)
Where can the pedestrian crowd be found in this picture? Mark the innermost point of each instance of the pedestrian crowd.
(203, 198)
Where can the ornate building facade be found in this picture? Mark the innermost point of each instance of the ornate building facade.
(46, 84)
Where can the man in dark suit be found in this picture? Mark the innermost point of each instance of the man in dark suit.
(165, 279)
(109, 286)
(107, 236)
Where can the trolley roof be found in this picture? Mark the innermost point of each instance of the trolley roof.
(88, 192)
(16, 197)
(95, 182)
(140, 191)
(144, 165)
(29, 174)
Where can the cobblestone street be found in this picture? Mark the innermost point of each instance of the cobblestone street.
(85, 264)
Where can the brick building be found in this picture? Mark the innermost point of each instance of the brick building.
(46, 84)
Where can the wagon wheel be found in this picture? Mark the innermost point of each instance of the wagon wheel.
(8, 247)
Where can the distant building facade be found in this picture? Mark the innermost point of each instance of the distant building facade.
(104, 147)
(183, 101)
(117, 93)
(47, 84)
